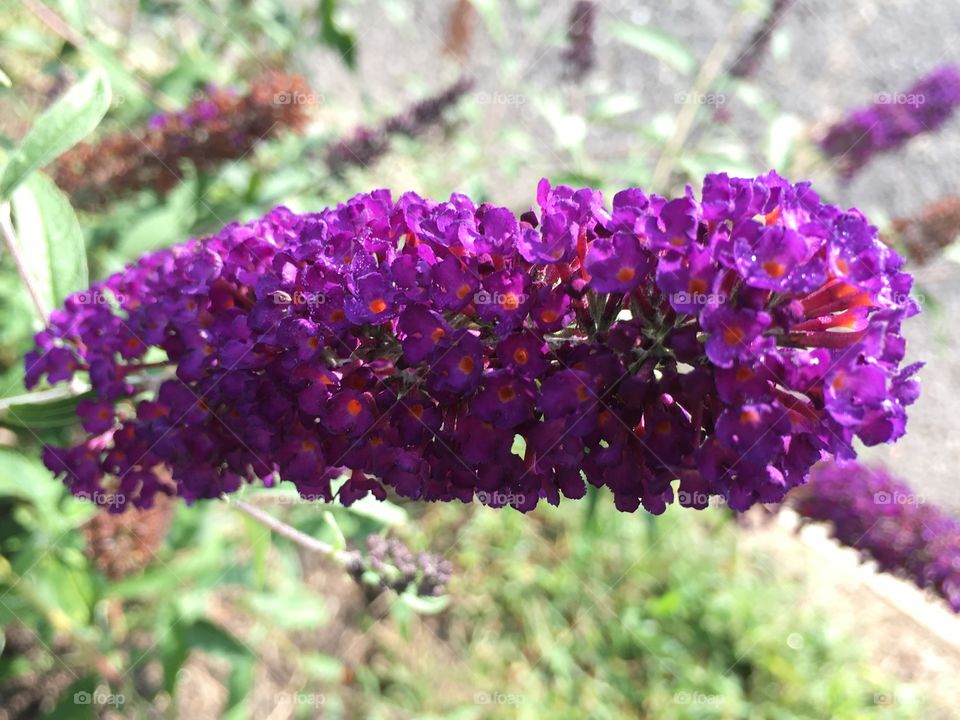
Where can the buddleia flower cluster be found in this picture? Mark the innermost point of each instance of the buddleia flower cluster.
(893, 119)
(726, 339)
(870, 510)
(218, 126)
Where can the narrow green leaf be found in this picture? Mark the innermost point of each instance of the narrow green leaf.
(612, 106)
(62, 125)
(292, 609)
(339, 541)
(30, 415)
(782, 141)
(657, 43)
(5, 79)
(425, 605)
(260, 539)
(381, 511)
(335, 36)
(27, 479)
(49, 238)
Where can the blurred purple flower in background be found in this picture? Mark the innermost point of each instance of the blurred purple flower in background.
(868, 509)
(893, 119)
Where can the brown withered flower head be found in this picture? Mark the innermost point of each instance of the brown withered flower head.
(460, 29)
(925, 235)
(748, 59)
(121, 544)
(219, 126)
(580, 55)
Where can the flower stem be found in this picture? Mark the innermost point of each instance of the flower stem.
(710, 70)
(10, 238)
(287, 531)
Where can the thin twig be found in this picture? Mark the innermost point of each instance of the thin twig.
(10, 238)
(62, 29)
(711, 69)
(284, 530)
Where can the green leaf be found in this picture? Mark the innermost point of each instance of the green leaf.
(26, 478)
(260, 539)
(612, 106)
(339, 541)
(335, 36)
(782, 141)
(5, 79)
(657, 43)
(295, 609)
(382, 511)
(62, 588)
(76, 702)
(50, 239)
(213, 639)
(30, 415)
(425, 605)
(62, 125)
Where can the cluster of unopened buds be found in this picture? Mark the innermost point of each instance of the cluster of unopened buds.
(392, 565)
(726, 340)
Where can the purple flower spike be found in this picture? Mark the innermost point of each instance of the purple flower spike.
(726, 343)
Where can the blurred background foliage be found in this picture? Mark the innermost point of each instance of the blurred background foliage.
(573, 612)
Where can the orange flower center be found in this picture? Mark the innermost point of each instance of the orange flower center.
(733, 336)
(775, 269)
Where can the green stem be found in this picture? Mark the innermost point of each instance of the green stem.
(288, 531)
(10, 239)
